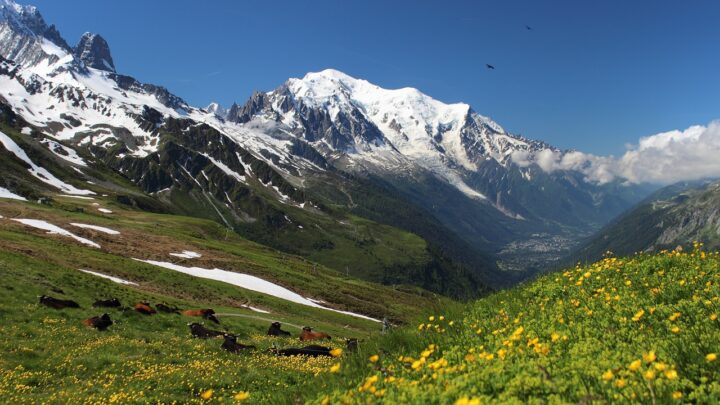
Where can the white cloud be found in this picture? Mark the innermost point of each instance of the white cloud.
(662, 158)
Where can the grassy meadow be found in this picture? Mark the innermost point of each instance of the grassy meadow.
(642, 329)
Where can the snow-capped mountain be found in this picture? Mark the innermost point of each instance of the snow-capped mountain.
(302, 145)
(343, 116)
(217, 109)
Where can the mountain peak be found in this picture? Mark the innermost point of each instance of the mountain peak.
(94, 51)
(217, 109)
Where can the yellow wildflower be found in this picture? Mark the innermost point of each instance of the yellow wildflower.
(674, 316)
(242, 395)
(335, 368)
(374, 358)
(620, 383)
(207, 395)
(336, 352)
(649, 356)
(711, 357)
(639, 314)
(671, 374)
(677, 395)
(467, 401)
(608, 375)
(649, 375)
(635, 365)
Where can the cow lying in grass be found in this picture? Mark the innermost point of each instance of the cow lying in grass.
(307, 334)
(58, 303)
(201, 332)
(167, 309)
(111, 303)
(311, 350)
(351, 344)
(208, 314)
(275, 330)
(100, 323)
(230, 344)
(144, 308)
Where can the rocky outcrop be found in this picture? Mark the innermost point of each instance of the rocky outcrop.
(94, 52)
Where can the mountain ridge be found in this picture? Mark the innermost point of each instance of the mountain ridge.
(298, 147)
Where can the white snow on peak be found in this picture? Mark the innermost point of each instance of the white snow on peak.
(425, 130)
(409, 107)
(14, 9)
(217, 109)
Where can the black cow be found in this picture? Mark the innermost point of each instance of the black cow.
(230, 344)
(201, 332)
(100, 323)
(275, 330)
(351, 344)
(58, 303)
(111, 303)
(167, 309)
(312, 350)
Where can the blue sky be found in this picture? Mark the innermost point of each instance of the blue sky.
(590, 75)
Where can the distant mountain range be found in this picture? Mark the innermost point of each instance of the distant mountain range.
(328, 166)
(674, 216)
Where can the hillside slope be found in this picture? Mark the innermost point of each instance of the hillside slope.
(91, 248)
(674, 216)
(642, 329)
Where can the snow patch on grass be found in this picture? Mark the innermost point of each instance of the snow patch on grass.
(55, 230)
(187, 254)
(111, 278)
(250, 283)
(97, 228)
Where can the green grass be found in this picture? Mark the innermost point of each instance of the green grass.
(49, 356)
(637, 330)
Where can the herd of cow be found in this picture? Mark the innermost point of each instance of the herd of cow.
(198, 330)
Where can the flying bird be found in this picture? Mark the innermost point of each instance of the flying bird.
(489, 66)
(527, 27)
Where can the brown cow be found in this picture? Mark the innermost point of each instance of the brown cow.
(230, 344)
(208, 314)
(58, 303)
(100, 323)
(308, 334)
(144, 308)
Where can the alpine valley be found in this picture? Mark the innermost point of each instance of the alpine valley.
(329, 241)
(390, 186)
